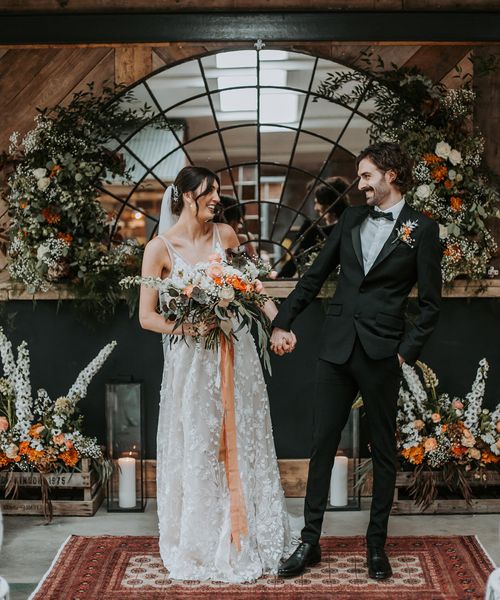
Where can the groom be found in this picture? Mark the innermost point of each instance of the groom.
(383, 249)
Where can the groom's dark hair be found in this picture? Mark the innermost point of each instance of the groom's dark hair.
(388, 156)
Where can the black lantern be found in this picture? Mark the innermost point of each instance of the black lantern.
(344, 491)
(126, 446)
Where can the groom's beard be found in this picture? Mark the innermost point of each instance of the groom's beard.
(377, 196)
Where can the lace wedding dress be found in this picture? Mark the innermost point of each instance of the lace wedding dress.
(192, 490)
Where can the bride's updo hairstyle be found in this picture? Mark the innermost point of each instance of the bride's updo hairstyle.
(188, 180)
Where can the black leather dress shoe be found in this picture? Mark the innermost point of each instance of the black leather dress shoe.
(378, 563)
(306, 555)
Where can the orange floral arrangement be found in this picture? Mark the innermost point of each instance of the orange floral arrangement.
(445, 435)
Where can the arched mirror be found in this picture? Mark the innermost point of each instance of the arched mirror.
(257, 119)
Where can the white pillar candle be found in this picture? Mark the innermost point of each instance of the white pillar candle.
(338, 483)
(126, 482)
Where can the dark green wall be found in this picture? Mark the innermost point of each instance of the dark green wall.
(61, 345)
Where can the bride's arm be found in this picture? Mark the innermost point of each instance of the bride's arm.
(154, 261)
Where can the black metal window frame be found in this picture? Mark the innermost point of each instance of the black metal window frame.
(289, 253)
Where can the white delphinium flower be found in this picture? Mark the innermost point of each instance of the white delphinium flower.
(17, 374)
(474, 399)
(416, 387)
(79, 389)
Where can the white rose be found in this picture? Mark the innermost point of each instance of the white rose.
(42, 251)
(442, 149)
(43, 183)
(423, 191)
(459, 177)
(443, 231)
(12, 451)
(39, 173)
(455, 157)
(227, 293)
(452, 174)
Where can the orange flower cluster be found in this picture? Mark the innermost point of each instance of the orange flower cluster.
(69, 457)
(4, 461)
(488, 457)
(238, 284)
(432, 159)
(50, 217)
(36, 430)
(453, 251)
(459, 451)
(448, 184)
(33, 455)
(23, 204)
(55, 170)
(456, 203)
(439, 173)
(67, 237)
(415, 454)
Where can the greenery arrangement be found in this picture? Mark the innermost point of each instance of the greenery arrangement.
(59, 230)
(435, 126)
(443, 436)
(38, 434)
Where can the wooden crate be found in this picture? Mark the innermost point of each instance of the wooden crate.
(71, 494)
(486, 497)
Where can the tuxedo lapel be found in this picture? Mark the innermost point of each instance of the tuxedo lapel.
(392, 243)
(356, 237)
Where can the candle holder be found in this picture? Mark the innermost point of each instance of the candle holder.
(126, 446)
(344, 491)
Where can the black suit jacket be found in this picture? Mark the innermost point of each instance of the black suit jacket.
(373, 306)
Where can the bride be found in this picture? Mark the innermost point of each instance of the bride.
(206, 533)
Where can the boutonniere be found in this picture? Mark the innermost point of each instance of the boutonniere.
(404, 232)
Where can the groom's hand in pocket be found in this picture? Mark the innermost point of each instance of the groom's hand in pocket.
(282, 341)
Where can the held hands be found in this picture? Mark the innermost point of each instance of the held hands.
(282, 341)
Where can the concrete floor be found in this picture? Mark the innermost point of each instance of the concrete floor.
(29, 546)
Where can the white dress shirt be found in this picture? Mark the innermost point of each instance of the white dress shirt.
(374, 234)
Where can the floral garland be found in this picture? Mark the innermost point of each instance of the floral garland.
(59, 231)
(36, 433)
(434, 124)
(443, 434)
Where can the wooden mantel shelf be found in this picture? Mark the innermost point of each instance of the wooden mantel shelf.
(487, 288)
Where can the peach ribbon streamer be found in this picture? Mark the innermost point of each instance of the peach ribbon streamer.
(228, 451)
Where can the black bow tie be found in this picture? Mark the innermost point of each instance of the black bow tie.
(377, 214)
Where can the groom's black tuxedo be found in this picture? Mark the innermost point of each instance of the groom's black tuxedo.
(373, 306)
(363, 333)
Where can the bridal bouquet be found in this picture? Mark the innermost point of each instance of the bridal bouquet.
(442, 435)
(224, 292)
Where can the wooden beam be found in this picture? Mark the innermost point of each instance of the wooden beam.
(132, 63)
(437, 61)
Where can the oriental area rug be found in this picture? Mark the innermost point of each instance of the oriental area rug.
(130, 568)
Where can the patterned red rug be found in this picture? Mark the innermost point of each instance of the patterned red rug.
(130, 568)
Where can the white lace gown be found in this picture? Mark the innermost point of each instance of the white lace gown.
(192, 491)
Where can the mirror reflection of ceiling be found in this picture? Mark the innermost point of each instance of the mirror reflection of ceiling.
(253, 117)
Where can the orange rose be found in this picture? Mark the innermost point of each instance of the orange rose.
(4, 424)
(215, 270)
(188, 290)
(439, 173)
(457, 404)
(36, 430)
(214, 258)
(418, 424)
(69, 444)
(435, 417)
(59, 439)
(430, 444)
(497, 427)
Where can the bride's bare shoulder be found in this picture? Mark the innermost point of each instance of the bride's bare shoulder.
(156, 248)
(227, 235)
